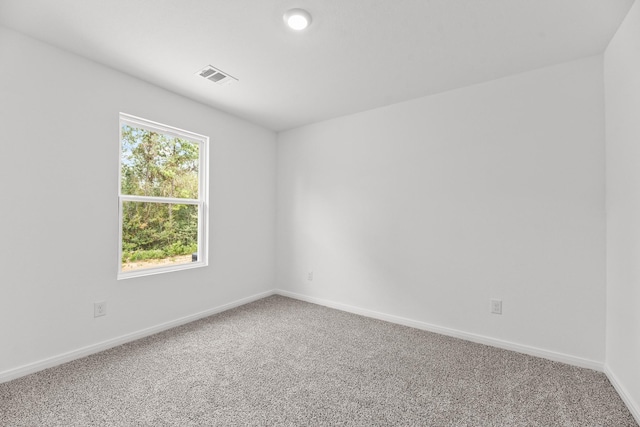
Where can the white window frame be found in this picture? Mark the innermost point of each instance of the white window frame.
(201, 201)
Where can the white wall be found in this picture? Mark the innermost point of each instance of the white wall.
(429, 208)
(58, 218)
(622, 89)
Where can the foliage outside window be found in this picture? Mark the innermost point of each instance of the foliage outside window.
(162, 198)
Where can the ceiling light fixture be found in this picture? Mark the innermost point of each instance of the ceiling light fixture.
(297, 19)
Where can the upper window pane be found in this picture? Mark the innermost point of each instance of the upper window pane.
(158, 165)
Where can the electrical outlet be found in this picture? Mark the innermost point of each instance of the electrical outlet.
(496, 306)
(310, 276)
(99, 309)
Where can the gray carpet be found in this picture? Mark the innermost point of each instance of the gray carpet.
(280, 362)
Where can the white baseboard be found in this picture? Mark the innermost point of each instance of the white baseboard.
(104, 345)
(634, 407)
(481, 339)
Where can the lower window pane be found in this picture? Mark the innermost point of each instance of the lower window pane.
(158, 234)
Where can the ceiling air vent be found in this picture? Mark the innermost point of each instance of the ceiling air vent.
(213, 74)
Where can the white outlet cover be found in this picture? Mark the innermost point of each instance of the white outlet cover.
(99, 309)
(496, 306)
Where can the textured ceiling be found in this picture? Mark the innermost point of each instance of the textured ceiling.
(356, 55)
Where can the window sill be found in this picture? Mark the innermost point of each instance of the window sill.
(122, 275)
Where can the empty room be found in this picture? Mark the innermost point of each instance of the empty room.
(318, 213)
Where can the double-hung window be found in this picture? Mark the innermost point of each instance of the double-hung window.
(162, 198)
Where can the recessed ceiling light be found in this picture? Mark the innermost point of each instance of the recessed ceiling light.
(297, 19)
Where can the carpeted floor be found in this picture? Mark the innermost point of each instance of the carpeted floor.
(280, 362)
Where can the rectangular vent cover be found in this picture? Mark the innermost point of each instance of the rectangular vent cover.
(213, 74)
